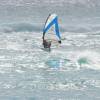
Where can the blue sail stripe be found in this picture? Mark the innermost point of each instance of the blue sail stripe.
(54, 21)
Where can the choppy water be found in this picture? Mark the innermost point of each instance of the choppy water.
(68, 72)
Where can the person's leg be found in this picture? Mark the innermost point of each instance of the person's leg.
(44, 44)
(49, 46)
(49, 49)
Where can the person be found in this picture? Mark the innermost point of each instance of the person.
(47, 44)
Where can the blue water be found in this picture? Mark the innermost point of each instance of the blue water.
(70, 71)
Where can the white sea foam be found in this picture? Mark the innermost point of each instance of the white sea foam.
(89, 59)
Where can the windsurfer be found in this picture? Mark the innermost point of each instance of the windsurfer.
(52, 21)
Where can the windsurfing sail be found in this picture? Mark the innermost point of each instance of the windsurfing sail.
(51, 28)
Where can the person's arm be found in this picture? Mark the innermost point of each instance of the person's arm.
(56, 41)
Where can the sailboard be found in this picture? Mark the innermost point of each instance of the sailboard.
(51, 29)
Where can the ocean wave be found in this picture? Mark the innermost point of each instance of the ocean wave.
(88, 59)
(23, 27)
(27, 27)
(19, 27)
